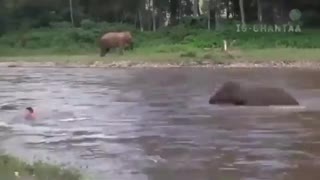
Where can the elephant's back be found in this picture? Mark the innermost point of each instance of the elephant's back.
(109, 39)
(115, 38)
(109, 35)
(268, 96)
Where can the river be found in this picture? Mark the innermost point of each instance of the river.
(156, 124)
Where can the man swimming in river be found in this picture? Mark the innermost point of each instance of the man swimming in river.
(30, 115)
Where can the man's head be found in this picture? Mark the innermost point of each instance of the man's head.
(29, 113)
(30, 110)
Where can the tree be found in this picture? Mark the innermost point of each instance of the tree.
(153, 15)
(243, 22)
(209, 14)
(71, 12)
(259, 11)
(195, 8)
(140, 9)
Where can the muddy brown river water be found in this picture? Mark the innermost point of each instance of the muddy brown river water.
(156, 124)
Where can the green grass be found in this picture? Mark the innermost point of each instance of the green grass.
(9, 166)
(280, 54)
(213, 56)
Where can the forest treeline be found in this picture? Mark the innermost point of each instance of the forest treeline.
(74, 26)
(147, 15)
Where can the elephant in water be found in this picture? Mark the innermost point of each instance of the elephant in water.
(236, 94)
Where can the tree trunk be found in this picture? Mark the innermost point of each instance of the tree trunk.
(188, 7)
(173, 11)
(150, 19)
(153, 17)
(209, 14)
(179, 10)
(259, 11)
(71, 12)
(140, 20)
(217, 14)
(243, 18)
(228, 8)
(195, 8)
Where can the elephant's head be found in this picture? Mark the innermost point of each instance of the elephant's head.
(228, 94)
(130, 46)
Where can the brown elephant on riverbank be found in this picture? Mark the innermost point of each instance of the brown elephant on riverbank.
(122, 40)
(238, 94)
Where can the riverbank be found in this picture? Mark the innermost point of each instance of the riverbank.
(285, 57)
(175, 46)
(12, 168)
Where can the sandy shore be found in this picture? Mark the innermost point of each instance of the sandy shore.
(130, 64)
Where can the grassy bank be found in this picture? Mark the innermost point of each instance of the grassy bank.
(210, 57)
(12, 168)
(177, 44)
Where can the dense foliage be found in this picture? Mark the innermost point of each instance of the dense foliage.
(75, 25)
(150, 14)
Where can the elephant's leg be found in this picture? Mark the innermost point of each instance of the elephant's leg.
(120, 51)
(103, 51)
(127, 47)
(131, 46)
